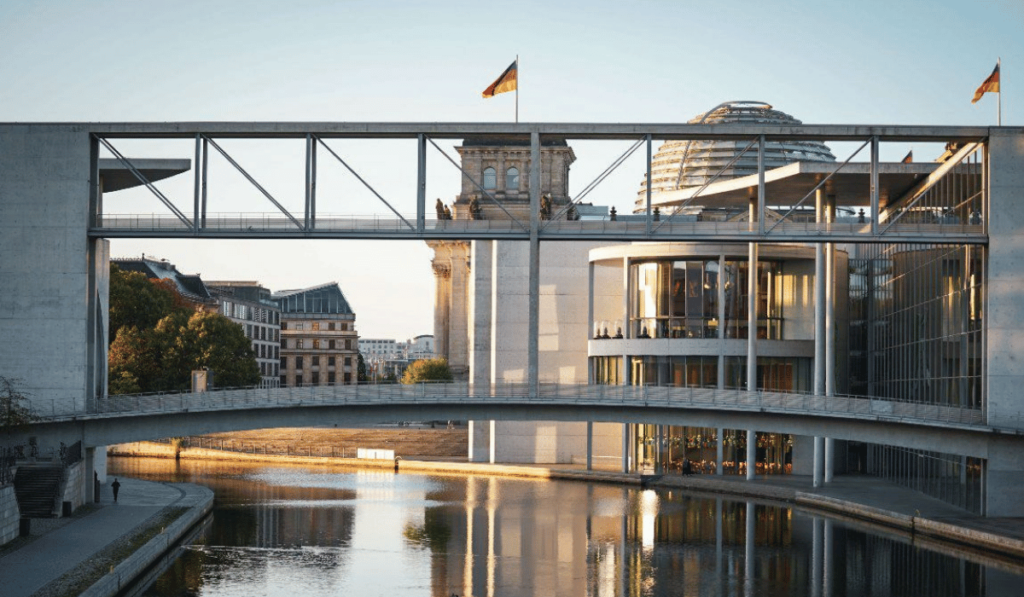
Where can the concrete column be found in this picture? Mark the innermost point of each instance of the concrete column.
(752, 289)
(830, 329)
(627, 331)
(830, 447)
(469, 428)
(533, 331)
(819, 446)
(89, 474)
(481, 308)
(751, 454)
(492, 460)
(819, 301)
(625, 447)
(590, 445)
(719, 452)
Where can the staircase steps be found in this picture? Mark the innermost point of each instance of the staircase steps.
(38, 490)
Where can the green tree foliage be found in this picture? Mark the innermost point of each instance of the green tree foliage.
(427, 370)
(14, 410)
(158, 339)
(361, 370)
(163, 358)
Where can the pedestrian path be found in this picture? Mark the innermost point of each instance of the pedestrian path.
(46, 558)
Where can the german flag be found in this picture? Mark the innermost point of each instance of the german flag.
(990, 84)
(506, 82)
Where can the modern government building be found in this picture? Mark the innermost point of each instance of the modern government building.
(877, 299)
(904, 323)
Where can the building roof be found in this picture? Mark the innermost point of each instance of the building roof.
(325, 298)
(682, 164)
(190, 286)
(249, 291)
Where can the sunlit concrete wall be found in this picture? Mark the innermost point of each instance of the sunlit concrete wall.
(52, 306)
(1004, 317)
(499, 318)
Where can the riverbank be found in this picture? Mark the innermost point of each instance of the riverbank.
(105, 546)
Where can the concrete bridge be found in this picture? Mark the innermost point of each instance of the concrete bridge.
(115, 419)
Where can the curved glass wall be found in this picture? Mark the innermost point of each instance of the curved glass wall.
(774, 374)
(680, 299)
(685, 450)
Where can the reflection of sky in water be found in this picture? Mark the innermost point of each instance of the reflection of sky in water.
(298, 531)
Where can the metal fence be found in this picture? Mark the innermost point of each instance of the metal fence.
(856, 407)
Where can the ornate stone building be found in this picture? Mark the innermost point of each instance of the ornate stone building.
(319, 344)
(495, 186)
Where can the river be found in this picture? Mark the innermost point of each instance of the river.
(294, 531)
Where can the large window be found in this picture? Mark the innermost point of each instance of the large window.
(512, 179)
(490, 179)
(679, 371)
(675, 299)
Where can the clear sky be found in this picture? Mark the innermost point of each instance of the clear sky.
(864, 62)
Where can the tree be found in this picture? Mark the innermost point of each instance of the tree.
(361, 370)
(207, 340)
(158, 339)
(427, 370)
(136, 301)
(162, 359)
(14, 412)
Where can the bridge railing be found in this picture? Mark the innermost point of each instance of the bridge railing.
(548, 393)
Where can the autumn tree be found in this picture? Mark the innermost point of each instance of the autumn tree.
(425, 370)
(138, 302)
(158, 339)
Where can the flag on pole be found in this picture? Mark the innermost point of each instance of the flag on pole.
(909, 157)
(506, 82)
(990, 84)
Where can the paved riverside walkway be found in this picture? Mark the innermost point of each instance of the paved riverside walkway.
(57, 546)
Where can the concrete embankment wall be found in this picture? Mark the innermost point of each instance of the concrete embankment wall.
(74, 486)
(200, 500)
(9, 514)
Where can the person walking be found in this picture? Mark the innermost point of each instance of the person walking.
(115, 486)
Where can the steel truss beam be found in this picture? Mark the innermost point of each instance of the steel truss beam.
(264, 226)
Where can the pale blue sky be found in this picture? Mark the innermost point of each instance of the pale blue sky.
(864, 62)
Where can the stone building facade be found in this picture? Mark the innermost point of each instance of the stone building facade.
(250, 305)
(495, 186)
(319, 343)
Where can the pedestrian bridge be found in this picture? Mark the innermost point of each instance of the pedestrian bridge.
(117, 419)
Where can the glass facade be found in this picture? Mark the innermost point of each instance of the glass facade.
(693, 450)
(916, 319)
(680, 299)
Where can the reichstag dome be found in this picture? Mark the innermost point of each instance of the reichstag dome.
(681, 164)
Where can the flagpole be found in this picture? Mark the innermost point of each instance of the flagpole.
(999, 96)
(517, 88)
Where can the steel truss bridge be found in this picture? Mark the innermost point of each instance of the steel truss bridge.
(887, 192)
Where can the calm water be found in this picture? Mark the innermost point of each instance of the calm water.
(298, 531)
